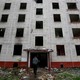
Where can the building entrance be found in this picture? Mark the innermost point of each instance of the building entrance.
(43, 59)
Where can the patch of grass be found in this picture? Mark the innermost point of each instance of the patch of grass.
(76, 78)
(10, 77)
(8, 74)
(64, 75)
(67, 76)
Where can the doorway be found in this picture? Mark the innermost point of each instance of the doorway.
(43, 59)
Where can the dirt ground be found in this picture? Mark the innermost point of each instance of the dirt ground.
(42, 74)
(55, 72)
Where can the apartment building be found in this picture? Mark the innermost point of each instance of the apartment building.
(49, 29)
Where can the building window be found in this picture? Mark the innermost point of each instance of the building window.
(23, 5)
(2, 31)
(60, 50)
(39, 24)
(38, 1)
(0, 48)
(57, 18)
(19, 32)
(55, 5)
(76, 32)
(7, 6)
(17, 49)
(4, 18)
(39, 41)
(71, 5)
(77, 50)
(74, 17)
(21, 18)
(58, 32)
(39, 11)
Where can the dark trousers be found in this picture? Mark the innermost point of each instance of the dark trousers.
(35, 69)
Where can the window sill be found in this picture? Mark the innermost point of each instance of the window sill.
(59, 37)
(72, 10)
(75, 22)
(61, 55)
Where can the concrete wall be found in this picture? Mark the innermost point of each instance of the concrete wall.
(48, 31)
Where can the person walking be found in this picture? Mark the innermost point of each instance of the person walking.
(35, 62)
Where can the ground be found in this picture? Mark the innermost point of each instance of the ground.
(42, 74)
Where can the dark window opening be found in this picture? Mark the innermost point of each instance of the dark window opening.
(39, 41)
(4, 18)
(2, 31)
(57, 17)
(76, 33)
(17, 49)
(74, 17)
(71, 5)
(62, 65)
(0, 47)
(7, 6)
(39, 24)
(39, 11)
(60, 50)
(55, 5)
(19, 32)
(15, 65)
(78, 49)
(39, 1)
(21, 18)
(58, 32)
(23, 5)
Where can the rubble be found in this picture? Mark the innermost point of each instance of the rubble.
(22, 70)
(25, 78)
(46, 77)
(42, 74)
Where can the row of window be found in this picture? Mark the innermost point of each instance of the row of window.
(19, 32)
(54, 5)
(22, 5)
(8, 5)
(57, 17)
(58, 32)
(70, 5)
(60, 49)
